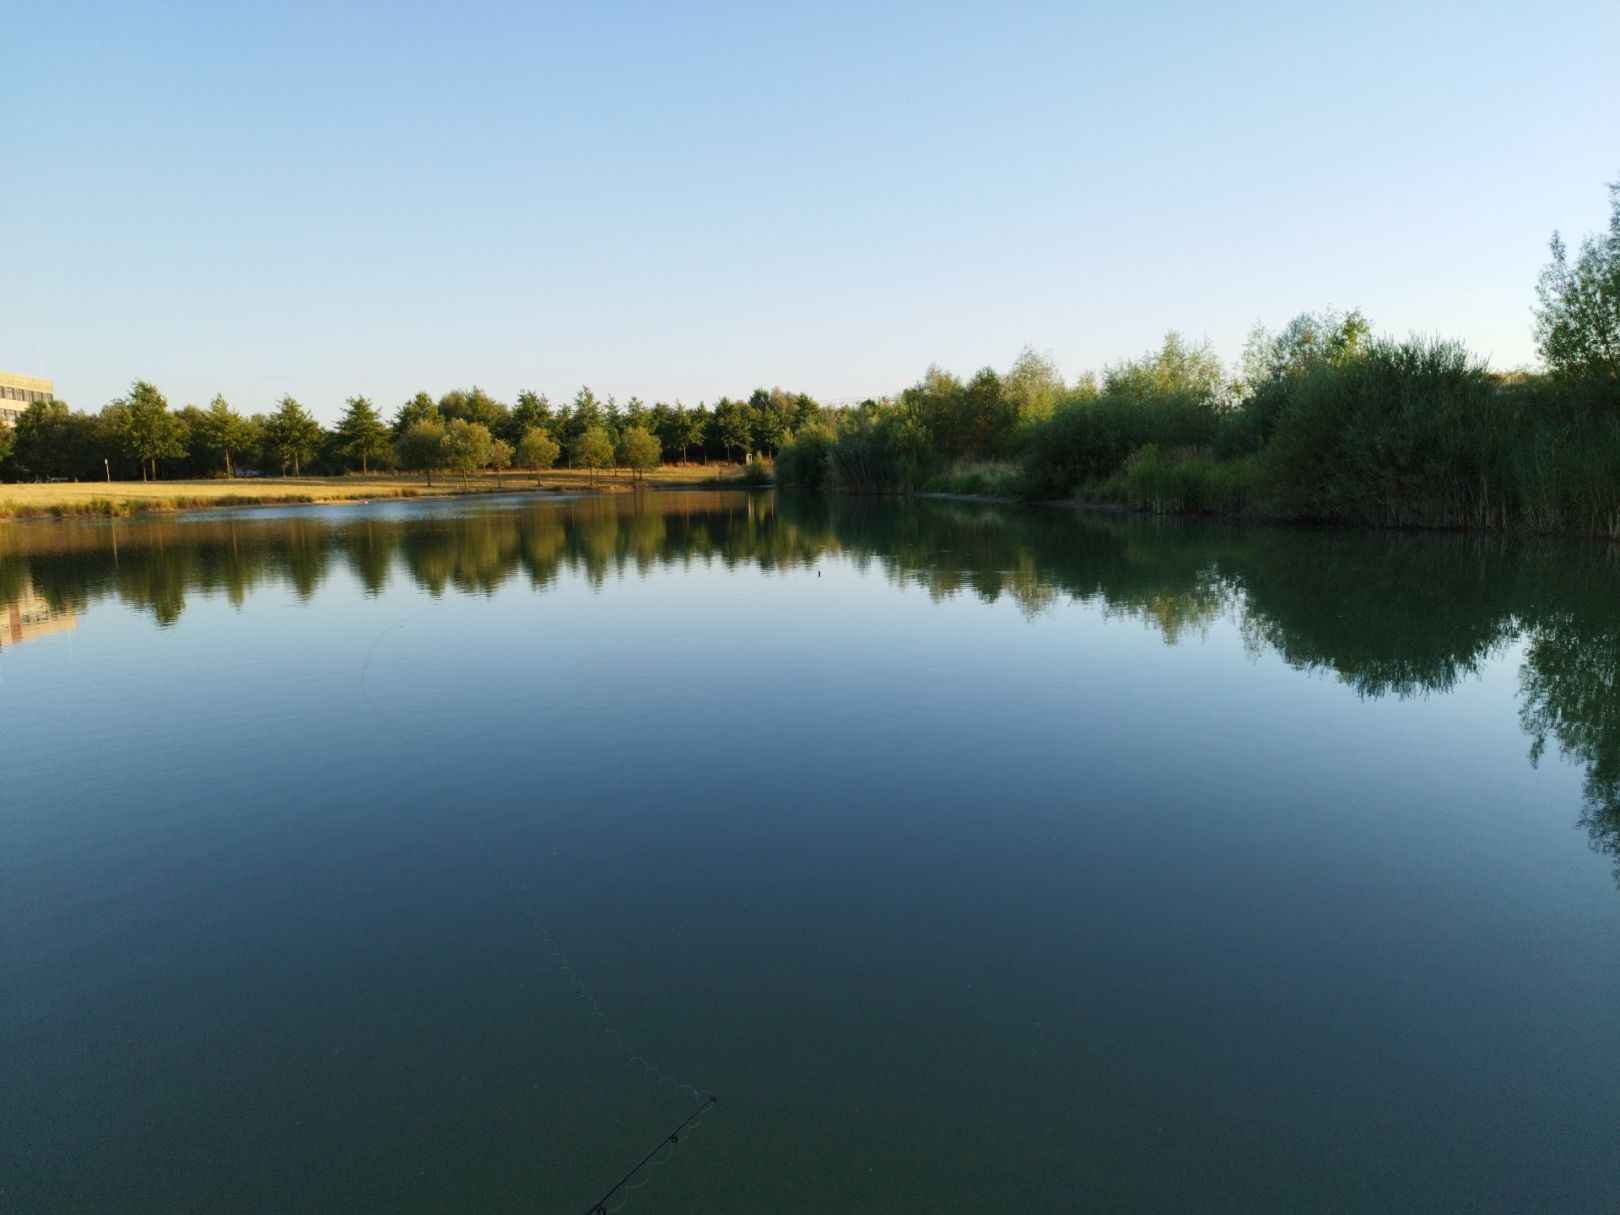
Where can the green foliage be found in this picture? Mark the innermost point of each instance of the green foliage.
(421, 446)
(1089, 439)
(882, 448)
(419, 408)
(292, 435)
(1578, 318)
(537, 450)
(474, 405)
(1180, 482)
(1273, 365)
(148, 430)
(734, 427)
(221, 434)
(500, 457)
(532, 412)
(1401, 433)
(51, 441)
(591, 448)
(1176, 369)
(638, 451)
(757, 474)
(773, 417)
(802, 463)
(361, 434)
(1030, 391)
(467, 446)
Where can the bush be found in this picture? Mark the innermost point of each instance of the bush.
(802, 463)
(757, 473)
(1089, 439)
(1404, 433)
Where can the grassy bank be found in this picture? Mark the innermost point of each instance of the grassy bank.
(120, 498)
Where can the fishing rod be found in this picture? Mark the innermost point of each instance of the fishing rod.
(599, 1207)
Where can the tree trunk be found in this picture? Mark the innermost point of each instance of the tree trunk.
(227, 466)
(363, 469)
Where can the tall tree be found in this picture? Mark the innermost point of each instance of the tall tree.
(421, 446)
(638, 451)
(734, 427)
(466, 446)
(221, 431)
(147, 428)
(1578, 321)
(695, 433)
(293, 434)
(532, 410)
(360, 432)
(418, 409)
(592, 449)
(52, 441)
(500, 457)
(537, 451)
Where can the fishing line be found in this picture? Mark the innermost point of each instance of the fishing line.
(566, 969)
(694, 1119)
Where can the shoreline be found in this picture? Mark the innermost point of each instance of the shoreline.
(80, 500)
(1253, 517)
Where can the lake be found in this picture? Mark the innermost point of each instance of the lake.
(444, 856)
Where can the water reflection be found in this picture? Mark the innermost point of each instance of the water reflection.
(1387, 614)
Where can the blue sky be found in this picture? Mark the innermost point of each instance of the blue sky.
(672, 200)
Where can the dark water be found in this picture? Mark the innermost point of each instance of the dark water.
(977, 859)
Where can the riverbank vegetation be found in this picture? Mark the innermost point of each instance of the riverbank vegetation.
(1322, 420)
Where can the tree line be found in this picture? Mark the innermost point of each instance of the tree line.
(464, 431)
(1322, 420)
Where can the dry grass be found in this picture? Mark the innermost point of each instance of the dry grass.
(129, 497)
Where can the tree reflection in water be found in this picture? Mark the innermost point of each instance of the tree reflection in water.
(1388, 614)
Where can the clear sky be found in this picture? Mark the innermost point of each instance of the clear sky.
(681, 201)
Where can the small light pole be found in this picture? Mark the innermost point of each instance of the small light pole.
(108, 469)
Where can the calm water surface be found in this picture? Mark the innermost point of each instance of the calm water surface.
(978, 859)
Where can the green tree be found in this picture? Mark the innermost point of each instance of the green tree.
(734, 427)
(466, 446)
(500, 457)
(773, 418)
(360, 432)
(8, 441)
(45, 440)
(532, 410)
(147, 428)
(474, 405)
(537, 451)
(639, 451)
(592, 449)
(1578, 320)
(418, 409)
(293, 435)
(222, 432)
(421, 446)
(584, 414)
(1177, 369)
